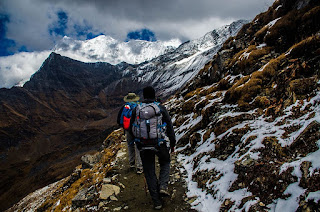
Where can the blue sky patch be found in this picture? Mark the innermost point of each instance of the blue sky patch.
(6, 45)
(143, 34)
(59, 27)
(91, 35)
(81, 31)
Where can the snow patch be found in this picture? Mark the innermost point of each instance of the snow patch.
(261, 45)
(272, 23)
(217, 191)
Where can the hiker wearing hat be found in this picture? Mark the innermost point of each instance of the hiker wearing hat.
(123, 120)
(150, 124)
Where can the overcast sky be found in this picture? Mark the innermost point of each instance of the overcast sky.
(36, 25)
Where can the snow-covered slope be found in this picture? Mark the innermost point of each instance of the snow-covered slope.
(169, 72)
(248, 125)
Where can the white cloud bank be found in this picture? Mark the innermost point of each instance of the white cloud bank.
(17, 69)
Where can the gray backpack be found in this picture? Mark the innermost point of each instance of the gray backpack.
(148, 123)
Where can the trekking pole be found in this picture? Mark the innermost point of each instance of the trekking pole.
(145, 186)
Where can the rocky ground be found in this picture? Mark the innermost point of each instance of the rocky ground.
(134, 195)
(105, 182)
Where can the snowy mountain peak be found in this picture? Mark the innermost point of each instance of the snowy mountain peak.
(107, 49)
(182, 64)
(218, 35)
(17, 69)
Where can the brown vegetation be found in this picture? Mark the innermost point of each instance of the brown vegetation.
(84, 178)
(246, 89)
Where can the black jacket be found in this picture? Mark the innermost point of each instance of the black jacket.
(165, 119)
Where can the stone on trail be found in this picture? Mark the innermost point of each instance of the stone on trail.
(106, 180)
(83, 197)
(109, 190)
(113, 198)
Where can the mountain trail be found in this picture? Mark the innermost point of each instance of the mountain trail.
(105, 182)
(134, 195)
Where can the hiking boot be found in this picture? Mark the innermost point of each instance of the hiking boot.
(158, 207)
(139, 171)
(164, 192)
(132, 168)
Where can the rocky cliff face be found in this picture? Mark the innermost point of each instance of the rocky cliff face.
(248, 124)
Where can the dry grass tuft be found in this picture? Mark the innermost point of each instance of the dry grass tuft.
(248, 87)
(192, 93)
(306, 47)
(262, 101)
(236, 58)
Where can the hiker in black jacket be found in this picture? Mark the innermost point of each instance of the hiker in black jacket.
(151, 147)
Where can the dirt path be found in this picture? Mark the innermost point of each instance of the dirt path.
(133, 196)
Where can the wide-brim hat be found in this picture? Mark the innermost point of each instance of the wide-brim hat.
(131, 97)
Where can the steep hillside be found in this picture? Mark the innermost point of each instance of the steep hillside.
(171, 71)
(248, 125)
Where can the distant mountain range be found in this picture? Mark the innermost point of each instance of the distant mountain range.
(171, 71)
(17, 69)
(107, 49)
(68, 107)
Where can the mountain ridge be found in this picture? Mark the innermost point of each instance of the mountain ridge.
(107, 49)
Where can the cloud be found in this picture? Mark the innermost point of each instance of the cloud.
(16, 68)
(183, 19)
(38, 25)
(59, 27)
(143, 34)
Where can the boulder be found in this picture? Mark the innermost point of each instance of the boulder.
(84, 197)
(108, 190)
(88, 161)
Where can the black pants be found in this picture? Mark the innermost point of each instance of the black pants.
(148, 163)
